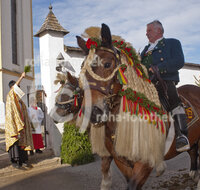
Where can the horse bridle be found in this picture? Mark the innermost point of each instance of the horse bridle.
(67, 104)
(108, 92)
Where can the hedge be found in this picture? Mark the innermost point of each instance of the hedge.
(75, 148)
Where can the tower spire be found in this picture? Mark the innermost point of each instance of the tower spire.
(50, 7)
(51, 24)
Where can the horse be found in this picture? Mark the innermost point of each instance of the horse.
(136, 173)
(68, 99)
(69, 108)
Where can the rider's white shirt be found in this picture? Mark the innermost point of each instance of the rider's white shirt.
(153, 45)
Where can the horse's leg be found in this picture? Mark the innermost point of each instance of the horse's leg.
(199, 155)
(198, 165)
(106, 174)
(193, 152)
(140, 174)
(198, 185)
(125, 169)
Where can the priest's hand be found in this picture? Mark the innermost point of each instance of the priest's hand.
(23, 75)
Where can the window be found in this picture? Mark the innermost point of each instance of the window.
(14, 31)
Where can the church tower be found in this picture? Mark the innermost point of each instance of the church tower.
(51, 42)
(53, 52)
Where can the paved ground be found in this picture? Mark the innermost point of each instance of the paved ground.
(48, 173)
(4, 158)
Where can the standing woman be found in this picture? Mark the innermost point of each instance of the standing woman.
(36, 116)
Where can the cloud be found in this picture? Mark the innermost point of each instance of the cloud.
(128, 19)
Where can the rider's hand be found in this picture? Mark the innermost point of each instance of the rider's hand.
(151, 70)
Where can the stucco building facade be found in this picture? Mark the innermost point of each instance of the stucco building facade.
(16, 45)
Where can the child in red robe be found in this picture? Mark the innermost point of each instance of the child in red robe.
(36, 116)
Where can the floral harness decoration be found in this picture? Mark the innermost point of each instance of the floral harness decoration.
(134, 102)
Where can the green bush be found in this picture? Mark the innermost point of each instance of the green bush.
(75, 148)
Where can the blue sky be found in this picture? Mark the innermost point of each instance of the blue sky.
(127, 18)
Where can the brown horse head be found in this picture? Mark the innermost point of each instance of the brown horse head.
(68, 100)
(100, 68)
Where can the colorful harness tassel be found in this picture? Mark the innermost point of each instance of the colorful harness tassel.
(75, 100)
(122, 77)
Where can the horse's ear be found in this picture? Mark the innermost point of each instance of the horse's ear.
(72, 80)
(82, 44)
(106, 36)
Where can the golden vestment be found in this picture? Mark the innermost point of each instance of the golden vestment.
(17, 123)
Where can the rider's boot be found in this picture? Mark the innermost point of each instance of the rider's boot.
(181, 131)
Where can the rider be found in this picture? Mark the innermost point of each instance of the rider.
(166, 57)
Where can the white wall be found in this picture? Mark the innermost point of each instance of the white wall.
(2, 114)
(187, 74)
(51, 44)
(76, 63)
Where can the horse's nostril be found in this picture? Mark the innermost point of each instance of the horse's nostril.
(97, 110)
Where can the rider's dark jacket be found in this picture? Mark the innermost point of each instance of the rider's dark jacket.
(167, 56)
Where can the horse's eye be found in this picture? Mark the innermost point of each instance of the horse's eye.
(107, 65)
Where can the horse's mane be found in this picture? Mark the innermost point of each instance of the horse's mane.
(138, 138)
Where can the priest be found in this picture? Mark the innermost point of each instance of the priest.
(17, 126)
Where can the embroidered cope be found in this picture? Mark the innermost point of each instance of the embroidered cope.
(17, 124)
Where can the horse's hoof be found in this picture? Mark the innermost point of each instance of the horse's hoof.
(159, 173)
(194, 175)
(160, 169)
